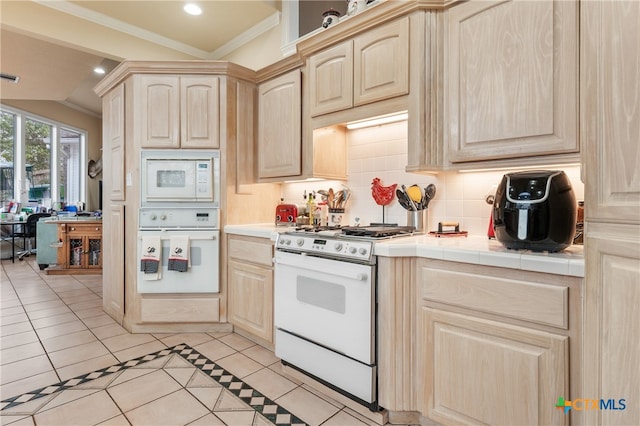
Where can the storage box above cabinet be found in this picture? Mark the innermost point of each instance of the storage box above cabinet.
(371, 67)
(177, 111)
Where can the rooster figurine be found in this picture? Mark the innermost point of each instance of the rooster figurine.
(383, 195)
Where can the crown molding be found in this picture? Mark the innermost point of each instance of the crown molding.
(244, 38)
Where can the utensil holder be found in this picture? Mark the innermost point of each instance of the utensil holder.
(417, 219)
(337, 217)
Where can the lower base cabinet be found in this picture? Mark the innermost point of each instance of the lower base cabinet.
(80, 250)
(250, 286)
(467, 344)
(485, 372)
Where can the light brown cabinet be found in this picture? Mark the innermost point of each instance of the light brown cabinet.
(489, 336)
(371, 67)
(478, 368)
(331, 79)
(113, 143)
(280, 126)
(462, 342)
(177, 111)
(250, 284)
(80, 249)
(610, 124)
(511, 81)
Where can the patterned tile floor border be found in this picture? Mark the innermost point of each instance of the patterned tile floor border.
(260, 403)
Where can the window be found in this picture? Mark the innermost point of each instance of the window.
(42, 162)
(7, 146)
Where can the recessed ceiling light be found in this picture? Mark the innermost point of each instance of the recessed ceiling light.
(99, 70)
(192, 9)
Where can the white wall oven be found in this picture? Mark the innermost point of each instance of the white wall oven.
(179, 222)
(324, 311)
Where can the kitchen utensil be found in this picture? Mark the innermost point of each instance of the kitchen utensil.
(346, 194)
(429, 193)
(415, 193)
(411, 203)
(402, 199)
(448, 229)
(331, 198)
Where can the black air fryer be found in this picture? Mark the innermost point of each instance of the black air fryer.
(535, 210)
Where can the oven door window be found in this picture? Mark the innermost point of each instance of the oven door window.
(326, 301)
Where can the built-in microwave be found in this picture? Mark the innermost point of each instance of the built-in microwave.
(180, 176)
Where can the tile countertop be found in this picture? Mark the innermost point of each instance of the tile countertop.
(477, 250)
(260, 230)
(480, 250)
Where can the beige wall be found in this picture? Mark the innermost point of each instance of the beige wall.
(74, 118)
(259, 52)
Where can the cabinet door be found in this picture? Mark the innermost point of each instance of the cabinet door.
(84, 246)
(113, 281)
(610, 122)
(251, 299)
(331, 79)
(158, 111)
(483, 372)
(381, 63)
(280, 127)
(612, 321)
(113, 143)
(200, 112)
(510, 78)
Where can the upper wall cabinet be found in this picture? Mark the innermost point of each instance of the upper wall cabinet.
(371, 67)
(178, 111)
(280, 126)
(511, 79)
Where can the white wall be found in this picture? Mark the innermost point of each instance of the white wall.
(381, 152)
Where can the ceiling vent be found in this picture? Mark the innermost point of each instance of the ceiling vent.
(9, 77)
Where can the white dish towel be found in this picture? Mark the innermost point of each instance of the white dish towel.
(151, 258)
(179, 253)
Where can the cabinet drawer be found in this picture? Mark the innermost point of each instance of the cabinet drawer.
(509, 297)
(88, 229)
(180, 310)
(253, 250)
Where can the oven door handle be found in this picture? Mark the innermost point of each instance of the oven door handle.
(303, 263)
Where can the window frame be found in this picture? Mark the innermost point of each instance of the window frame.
(19, 179)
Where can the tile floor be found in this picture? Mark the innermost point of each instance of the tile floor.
(64, 362)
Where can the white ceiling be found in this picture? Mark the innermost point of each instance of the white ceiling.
(53, 46)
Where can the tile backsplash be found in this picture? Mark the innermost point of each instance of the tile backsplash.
(381, 151)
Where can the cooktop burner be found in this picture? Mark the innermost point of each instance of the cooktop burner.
(373, 231)
(378, 231)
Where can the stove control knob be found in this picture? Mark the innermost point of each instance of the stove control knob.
(363, 251)
(163, 217)
(300, 242)
(337, 246)
(353, 250)
(154, 217)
